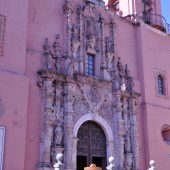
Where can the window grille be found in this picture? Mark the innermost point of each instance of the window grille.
(161, 85)
(90, 65)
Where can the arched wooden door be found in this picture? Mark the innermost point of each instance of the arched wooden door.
(91, 146)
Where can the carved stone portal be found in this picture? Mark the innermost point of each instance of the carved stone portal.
(70, 98)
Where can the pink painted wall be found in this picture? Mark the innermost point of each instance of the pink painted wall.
(14, 83)
(14, 94)
(155, 54)
(45, 21)
(15, 35)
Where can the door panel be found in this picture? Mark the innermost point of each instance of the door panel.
(91, 144)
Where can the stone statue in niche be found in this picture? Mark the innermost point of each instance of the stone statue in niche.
(91, 33)
(94, 95)
(58, 134)
(52, 55)
(127, 144)
(109, 60)
(109, 45)
(75, 39)
(128, 161)
(116, 84)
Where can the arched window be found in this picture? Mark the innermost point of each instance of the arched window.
(161, 85)
(166, 133)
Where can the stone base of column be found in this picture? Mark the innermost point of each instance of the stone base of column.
(57, 150)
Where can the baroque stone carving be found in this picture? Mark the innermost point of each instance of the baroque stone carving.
(75, 39)
(2, 32)
(94, 95)
(91, 34)
(67, 10)
(52, 55)
(63, 103)
(106, 111)
(128, 161)
(109, 45)
(47, 55)
(80, 105)
(58, 134)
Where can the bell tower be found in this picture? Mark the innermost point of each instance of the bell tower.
(148, 10)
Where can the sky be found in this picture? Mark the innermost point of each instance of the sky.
(166, 10)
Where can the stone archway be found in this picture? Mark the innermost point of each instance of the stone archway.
(103, 124)
(91, 146)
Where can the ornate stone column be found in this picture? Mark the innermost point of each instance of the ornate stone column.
(59, 120)
(134, 136)
(69, 141)
(48, 118)
(119, 133)
(81, 22)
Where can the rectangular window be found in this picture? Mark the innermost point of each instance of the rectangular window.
(90, 65)
(2, 137)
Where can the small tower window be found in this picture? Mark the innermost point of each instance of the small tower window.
(161, 85)
(90, 65)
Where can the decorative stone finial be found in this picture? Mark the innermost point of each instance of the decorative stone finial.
(152, 163)
(57, 166)
(111, 165)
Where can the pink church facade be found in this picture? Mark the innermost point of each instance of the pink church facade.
(68, 68)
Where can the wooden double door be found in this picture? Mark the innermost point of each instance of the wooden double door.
(91, 146)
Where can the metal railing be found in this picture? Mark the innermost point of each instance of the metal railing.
(157, 21)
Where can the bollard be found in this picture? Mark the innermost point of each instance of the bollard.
(92, 167)
(152, 163)
(58, 164)
(111, 165)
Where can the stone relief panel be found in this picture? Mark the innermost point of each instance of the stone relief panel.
(52, 55)
(2, 33)
(106, 111)
(94, 95)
